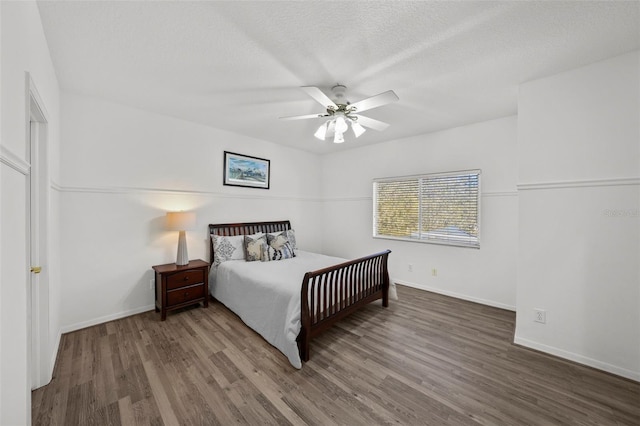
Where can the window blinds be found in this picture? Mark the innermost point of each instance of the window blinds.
(442, 208)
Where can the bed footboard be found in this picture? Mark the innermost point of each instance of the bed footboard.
(332, 293)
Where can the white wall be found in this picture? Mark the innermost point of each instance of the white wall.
(1, 223)
(123, 168)
(486, 275)
(24, 48)
(579, 214)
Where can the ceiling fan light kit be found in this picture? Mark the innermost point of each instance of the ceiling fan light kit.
(341, 113)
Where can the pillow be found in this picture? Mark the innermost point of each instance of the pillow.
(277, 240)
(288, 235)
(291, 236)
(227, 248)
(255, 247)
(285, 251)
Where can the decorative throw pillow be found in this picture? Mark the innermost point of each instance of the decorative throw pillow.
(285, 251)
(291, 236)
(255, 247)
(277, 240)
(287, 235)
(227, 248)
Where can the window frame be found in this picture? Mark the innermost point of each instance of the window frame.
(448, 240)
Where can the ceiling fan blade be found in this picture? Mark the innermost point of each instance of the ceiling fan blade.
(303, 117)
(319, 96)
(371, 123)
(375, 101)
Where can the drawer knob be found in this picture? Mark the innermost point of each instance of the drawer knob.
(186, 278)
(186, 294)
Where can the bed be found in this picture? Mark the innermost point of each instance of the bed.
(289, 302)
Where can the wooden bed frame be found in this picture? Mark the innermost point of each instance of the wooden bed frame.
(329, 294)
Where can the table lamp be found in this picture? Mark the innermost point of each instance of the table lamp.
(181, 221)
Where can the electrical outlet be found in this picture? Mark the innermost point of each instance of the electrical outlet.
(152, 283)
(410, 267)
(540, 315)
(434, 272)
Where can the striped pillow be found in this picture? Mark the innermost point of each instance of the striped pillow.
(285, 251)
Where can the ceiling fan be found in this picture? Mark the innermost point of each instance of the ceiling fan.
(342, 114)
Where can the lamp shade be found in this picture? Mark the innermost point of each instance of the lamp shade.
(357, 129)
(181, 221)
(322, 131)
(341, 124)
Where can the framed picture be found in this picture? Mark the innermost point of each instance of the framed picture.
(244, 170)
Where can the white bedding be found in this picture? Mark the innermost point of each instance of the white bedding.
(266, 295)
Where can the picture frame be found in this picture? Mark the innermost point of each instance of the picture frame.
(246, 171)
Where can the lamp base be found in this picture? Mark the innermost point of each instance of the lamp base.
(183, 257)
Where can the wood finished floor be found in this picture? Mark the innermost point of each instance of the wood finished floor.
(426, 360)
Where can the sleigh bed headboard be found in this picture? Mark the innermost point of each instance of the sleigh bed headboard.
(247, 228)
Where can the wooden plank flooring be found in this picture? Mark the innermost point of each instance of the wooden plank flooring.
(426, 360)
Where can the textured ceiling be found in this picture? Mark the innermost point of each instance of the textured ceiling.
(238, 65)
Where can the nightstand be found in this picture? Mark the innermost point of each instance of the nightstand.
(180, 286)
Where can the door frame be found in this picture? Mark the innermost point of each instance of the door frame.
(38, 239)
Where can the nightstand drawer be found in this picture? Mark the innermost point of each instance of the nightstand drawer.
(185, 278)
(186, 294)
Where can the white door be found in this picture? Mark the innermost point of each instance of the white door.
(41, 367)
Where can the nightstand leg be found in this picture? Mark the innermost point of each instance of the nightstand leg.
(163, 315)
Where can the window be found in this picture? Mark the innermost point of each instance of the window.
(441, 208)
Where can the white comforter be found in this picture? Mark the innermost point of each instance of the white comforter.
(266, 295)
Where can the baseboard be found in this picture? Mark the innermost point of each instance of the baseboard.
(456, 295)
(580, 359)
(106, 318)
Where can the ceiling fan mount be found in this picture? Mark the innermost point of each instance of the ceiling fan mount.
(341, 113)
(339, 94)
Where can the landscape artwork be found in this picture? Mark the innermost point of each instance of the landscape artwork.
(244, 170)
